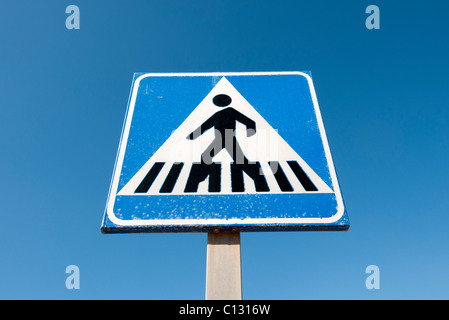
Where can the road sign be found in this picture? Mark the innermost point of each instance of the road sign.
(229, 151)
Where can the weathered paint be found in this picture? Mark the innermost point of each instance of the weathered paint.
(159, 103)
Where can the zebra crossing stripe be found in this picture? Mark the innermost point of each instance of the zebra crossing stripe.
(302, 176)
(199, 173)
(281, 179)
(146, 183)
(172, 176)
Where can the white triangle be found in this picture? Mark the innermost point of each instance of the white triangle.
(264, 146)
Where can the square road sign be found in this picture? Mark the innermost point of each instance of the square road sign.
(233, 151)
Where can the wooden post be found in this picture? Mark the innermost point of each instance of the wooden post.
(224, 268)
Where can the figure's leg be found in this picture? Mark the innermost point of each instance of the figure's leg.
(235, 151)
(199, 173)
(254, 171)
(215, 147)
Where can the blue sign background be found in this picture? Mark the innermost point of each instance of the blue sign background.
(164, 102)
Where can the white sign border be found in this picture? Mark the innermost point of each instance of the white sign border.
(235, 222)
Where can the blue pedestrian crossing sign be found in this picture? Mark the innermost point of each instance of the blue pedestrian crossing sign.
(227, 151)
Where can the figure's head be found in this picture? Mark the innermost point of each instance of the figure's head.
(222, 100)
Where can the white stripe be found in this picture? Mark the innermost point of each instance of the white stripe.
(226, 187)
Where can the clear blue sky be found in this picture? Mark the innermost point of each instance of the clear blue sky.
(384, 100)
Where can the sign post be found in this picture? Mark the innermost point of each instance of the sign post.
(223, 153)
(224, 268)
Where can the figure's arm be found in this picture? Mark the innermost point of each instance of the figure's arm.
(209, 123)
(250, 124)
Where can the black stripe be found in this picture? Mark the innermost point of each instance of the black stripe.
(199, 172)
(280, 176)
(254, 171)
(302, 177)
(172, 176)
(149, 178)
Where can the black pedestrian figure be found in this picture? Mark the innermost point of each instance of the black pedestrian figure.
(224, 122)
